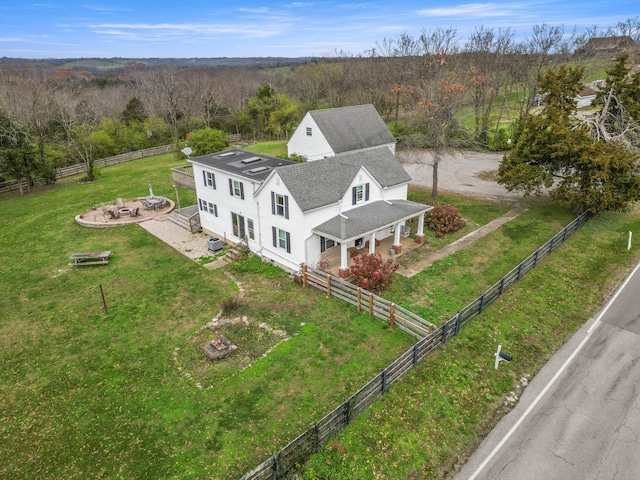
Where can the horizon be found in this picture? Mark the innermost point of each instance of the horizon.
(62, 29)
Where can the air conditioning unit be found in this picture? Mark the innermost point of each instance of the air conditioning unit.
(214, 244)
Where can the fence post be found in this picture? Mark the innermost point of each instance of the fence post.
(481, 303)
(415, 354)
(519, 270)
(392, 317)
(347, 410)
(359, 299)
(329, 286)
(535, 257)
(384, 382)
(444, 333)
(456, 328)
(276, 467)
(370, 304)
(304, 274)
(501, 289)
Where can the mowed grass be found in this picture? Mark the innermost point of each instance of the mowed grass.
(125, 394)
(431, 421)
(89, 394)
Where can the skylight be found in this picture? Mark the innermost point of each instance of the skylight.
(253, 171)
(251, 160)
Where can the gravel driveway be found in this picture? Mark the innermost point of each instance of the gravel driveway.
(471, 173)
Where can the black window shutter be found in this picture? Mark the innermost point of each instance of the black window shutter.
(213, 178)
(231, 187)
(286, 207)
(274, 234)
(204, 177)
(215, 210)
(288, 242)
(366, 192)
(241, 191)
(354, 193)
(273, 203)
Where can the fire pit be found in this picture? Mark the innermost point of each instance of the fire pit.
(218, 348)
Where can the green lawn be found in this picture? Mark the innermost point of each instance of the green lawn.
(125, 394)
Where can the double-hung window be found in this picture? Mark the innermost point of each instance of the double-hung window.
(209, 179)
(281, 239)
(250, 229)
(236, 188)
(309, 132)
(280, 204)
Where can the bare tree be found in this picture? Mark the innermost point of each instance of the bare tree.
(440, 88)
(487, 53)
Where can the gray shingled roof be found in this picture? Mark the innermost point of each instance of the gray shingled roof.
(369, 218)
(323, 182)
(352, 128)
(242, 163)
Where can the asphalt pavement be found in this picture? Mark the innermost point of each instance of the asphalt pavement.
(579, 419)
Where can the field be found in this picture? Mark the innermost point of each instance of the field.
(124, 393)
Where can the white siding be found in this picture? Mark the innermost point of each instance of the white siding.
(226, 205)
(314, 147)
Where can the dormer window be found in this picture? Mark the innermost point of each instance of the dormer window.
(309, 132)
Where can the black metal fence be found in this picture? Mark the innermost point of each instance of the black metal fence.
(299, 450)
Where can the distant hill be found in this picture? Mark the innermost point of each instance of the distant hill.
(101, 66)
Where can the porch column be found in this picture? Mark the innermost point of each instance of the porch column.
(372, 243)
(343, 271)
(397, 244)
(420, 234)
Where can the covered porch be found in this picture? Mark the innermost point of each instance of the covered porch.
(332, 256)
(364, 229)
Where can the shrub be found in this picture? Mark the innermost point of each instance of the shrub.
(372, 273)
(443, 219)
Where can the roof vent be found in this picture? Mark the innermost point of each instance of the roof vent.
(251, 160)
(227, 154)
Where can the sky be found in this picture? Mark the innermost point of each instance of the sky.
(248, 28)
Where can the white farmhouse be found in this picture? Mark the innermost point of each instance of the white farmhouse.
(326, 133)
(293, 213)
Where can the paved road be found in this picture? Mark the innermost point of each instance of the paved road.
(579, 419)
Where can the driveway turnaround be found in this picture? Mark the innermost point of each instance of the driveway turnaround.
(579, 419)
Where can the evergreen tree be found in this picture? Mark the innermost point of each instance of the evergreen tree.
(553, 152)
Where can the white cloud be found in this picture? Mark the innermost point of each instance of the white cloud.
(475, 10)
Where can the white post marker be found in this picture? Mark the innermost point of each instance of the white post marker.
(629, 246)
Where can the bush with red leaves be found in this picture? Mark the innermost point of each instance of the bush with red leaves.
(444, 218)
(372, 272)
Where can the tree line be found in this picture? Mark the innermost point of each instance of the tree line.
(435, 90)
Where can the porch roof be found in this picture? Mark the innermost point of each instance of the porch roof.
(369, 218)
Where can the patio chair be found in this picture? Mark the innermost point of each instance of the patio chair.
(145, 204)
(119, 203)
(114, 215)
(135, 212)
(353, 252)
(163, 202)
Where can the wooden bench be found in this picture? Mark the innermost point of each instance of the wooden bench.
(89, 258)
